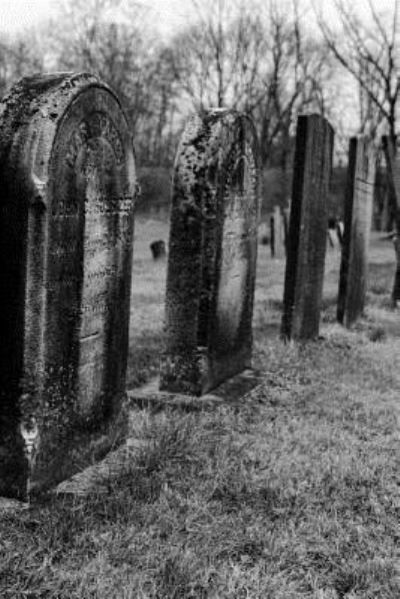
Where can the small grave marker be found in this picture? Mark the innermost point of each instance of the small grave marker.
(157, 249)
(357, 226)
(306, 243)
(212, 254)
(66, 226)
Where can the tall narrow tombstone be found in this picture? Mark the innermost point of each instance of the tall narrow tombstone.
(66, 224)
(392, 155)
(277, 234)
(357, 226)
(306, 244)
(212, 254)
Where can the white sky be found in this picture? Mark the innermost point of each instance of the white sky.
(19, 14)
(169, 14)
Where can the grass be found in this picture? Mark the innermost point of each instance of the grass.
(292, 494)
(147, 307)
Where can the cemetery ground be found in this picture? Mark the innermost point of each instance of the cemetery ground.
(291, 492)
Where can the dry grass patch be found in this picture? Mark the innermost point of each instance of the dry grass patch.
(292, 494)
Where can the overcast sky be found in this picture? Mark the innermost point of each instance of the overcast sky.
(19, 14)
(170, 14)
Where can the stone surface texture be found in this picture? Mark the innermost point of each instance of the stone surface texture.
(212, 253)
(357, 227)
(306, 244)
(66, 227)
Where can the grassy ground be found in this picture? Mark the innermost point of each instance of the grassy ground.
(293, 494)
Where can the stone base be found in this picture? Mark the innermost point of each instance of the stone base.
(229, 392)
(95, 478)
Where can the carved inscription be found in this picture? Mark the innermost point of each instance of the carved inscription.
(103, 216)
(98, 125)
(91, 227)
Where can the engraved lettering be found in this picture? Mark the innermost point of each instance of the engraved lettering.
(99, 124)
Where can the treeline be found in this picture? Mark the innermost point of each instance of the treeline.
(268, 58)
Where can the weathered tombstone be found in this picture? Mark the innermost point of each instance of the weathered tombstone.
(357, 226)
(66, 225)
(212, 254)
(306, 243)
(157, 249)
(392, 155)
(277, 234)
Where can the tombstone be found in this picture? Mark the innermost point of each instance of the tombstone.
(392, 155)
(277, 234)
(306, 242)
(66, 227)
(357, 226)
(157, 249)
(340, 231)
(212, 254)
(331, 231)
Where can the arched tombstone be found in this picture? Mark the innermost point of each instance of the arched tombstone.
(212, 254)
(67, 192)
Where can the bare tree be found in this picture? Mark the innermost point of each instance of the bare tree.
(217, 59)
(292, 79)
(90, 36)
(254, 57)
(114, 39)
(369, 49)
(19, 56)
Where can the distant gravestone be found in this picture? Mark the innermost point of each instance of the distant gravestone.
(357, 226)
(157, 249)
(277, 234)
(66, 225)
(306, 243)
(212, 254)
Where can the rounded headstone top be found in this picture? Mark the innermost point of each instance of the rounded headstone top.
(34, 119)
(37, 92)
(43, 96)
(207, 140)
